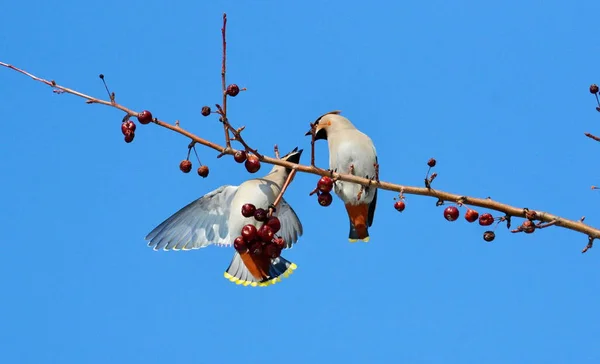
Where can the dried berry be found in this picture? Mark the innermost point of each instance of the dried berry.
(399, 205)
(249, 233)
(233, 90)
(205, 111)
(325, 184)
(486, 219)
(240, 156)
(325, 199)
(471, 215)
(203, 171)
(185, 166)
(274, 223)
(593, 88)
(431, 163)
(489, 236)
(528, 226)
(252, 164)
(451, 213)
(127, 126)
(248, 210)
(265, 233)
(129, 135)
(145, 117)
(260, 214)
(240, 245)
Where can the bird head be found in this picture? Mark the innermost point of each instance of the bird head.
(293, 156)
(329, 122)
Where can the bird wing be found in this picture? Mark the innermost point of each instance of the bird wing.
(197, 225)
(291, 228)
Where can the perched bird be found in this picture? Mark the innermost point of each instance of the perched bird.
(216, 218)
(352, 152)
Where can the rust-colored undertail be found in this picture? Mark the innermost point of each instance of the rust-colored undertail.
(257, 265)
(358, 215)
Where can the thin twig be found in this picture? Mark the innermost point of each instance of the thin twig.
(225, 121)
(412, 190)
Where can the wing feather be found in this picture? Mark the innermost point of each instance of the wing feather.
(197, 225)
(291, 228)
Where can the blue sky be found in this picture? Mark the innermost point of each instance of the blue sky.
(497, 92)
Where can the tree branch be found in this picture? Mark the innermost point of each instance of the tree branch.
(440, 196)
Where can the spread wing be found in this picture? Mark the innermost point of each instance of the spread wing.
(197, 225)
(291, 228)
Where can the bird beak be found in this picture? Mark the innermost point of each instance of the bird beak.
(308, 133)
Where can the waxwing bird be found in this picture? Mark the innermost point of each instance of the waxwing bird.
(351, 152)
(216, 218)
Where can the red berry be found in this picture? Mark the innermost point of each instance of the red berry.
(145, 117)
(272, 251)
(399, 205)
(489, 236)
(248, 210)
(265, 233)
(205, 111)
(451, 213)
(280, 242)
(471, 215)
(256, 248)
(260, 214)
(185, 166)
(128, 125)
(249, 233)
(240, 245)
(252, 164)
(240, 156)
(203, 171)
(325, 199)
(129, 135)
(274, 223)
(528, 226)
(431, 163)
(486, 219)
(233, 90)
(325, 184)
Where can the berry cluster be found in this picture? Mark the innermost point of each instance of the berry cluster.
(186, 166)
(323, 191)
(128, 126)
(451, 213)
(128, 129)
(261, 241)
(251, 162)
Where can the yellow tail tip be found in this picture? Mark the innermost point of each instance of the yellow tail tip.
(270, 282)
(365, 240)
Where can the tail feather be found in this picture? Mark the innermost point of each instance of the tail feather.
(247, 270)
(358, 215)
